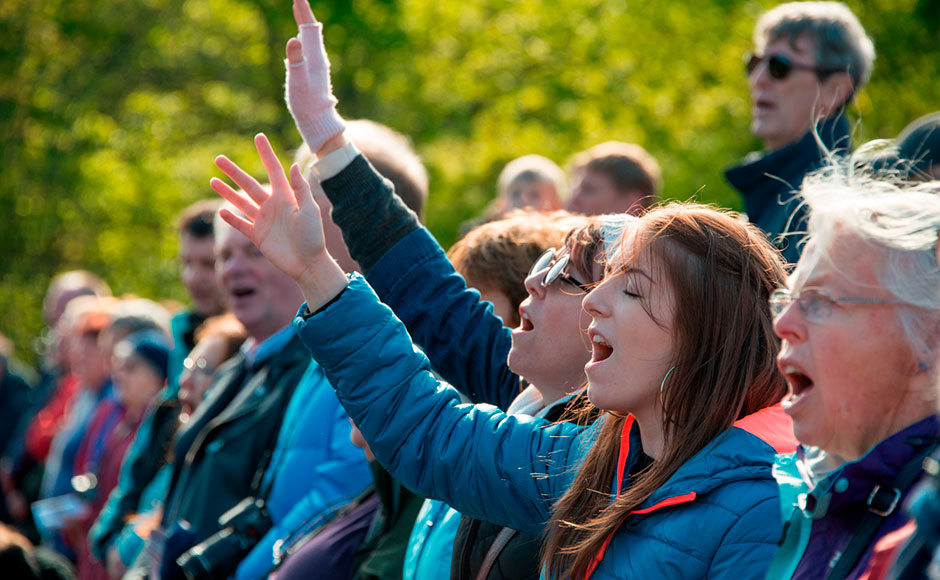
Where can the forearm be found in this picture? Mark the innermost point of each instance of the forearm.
(465, 342)
(366, 209)
(475, 458)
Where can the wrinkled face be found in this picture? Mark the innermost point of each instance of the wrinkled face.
(549, 347)
(263, 298)
(849, 373)
(198, 370)
(594, 193)
(136, 382)
(538, 195)
(632, 348)
(197, 270)
(784, 110)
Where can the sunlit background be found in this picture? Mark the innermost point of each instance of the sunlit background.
(112, 111)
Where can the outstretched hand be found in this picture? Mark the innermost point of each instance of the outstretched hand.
(309, 93)
(283, 223)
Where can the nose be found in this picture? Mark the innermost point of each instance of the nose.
(533, 284)
(594, 302)
(760, 76)
(790, 325)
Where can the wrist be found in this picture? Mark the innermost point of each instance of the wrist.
(332, 144)
(321, 282)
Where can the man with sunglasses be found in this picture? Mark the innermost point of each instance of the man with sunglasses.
(809, 60)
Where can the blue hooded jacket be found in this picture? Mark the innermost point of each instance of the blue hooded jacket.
(717, 517)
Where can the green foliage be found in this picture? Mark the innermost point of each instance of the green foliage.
(112, 112)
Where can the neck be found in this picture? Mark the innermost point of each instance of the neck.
(651, 432)
(552, 391)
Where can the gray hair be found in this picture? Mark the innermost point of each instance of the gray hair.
(529, 168)
(841, 43)
(899, 221)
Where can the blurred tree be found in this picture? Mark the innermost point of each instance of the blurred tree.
(111, 112)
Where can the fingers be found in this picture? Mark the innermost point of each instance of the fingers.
(237, 198)
(271, 164)
(295, 52)
(301, 188)
(311, 38)
(236, 221)
(302, 13)
(248, 183)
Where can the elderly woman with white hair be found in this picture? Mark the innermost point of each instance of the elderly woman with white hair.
(860, 323)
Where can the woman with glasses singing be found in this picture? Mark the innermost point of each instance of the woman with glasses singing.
(860, 323)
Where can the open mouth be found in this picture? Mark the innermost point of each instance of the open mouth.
(600, 348)
(800, 384)
(525, 324)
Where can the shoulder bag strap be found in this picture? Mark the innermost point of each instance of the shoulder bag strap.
(882, 502)
(496, 548)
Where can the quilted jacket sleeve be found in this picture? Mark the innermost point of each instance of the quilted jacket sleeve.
(465, 342)
(508, 470)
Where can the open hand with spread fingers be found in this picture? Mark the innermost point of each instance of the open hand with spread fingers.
(284, 223)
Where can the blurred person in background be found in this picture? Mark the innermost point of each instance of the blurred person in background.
(809, 61)
(614, 177)
(197, 272)
(139, 371)
(22, 466)
(529, 182)
(126, 520)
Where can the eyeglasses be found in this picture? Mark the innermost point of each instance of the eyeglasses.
(780, 66)
(815, 303)
(556, 271)
(199, 365)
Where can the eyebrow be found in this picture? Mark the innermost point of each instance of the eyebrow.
(635, 270)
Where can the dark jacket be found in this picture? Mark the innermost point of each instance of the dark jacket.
(229, 437)
(147, 455)
(517, 554)
(769, 182)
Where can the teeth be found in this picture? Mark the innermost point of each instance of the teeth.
(790, 369)
(525, 316)
(599, 339)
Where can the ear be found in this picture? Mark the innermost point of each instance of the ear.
(834, 93)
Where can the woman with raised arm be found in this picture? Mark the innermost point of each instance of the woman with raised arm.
(683, 358)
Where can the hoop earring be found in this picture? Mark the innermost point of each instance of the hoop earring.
(663, 384)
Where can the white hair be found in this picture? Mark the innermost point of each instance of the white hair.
(900, 222)
(533, 168)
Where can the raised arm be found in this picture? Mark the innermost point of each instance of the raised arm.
(464, 340)
(489, 465)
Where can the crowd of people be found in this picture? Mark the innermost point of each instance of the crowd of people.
(592, 383)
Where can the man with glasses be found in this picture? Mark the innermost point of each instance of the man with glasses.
(809, 60)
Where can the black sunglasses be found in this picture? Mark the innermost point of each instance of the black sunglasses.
(779, 66)
(557, 270)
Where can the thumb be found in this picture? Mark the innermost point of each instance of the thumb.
(301, 189)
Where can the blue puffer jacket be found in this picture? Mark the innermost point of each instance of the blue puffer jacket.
(314, 467)
(717, 517)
